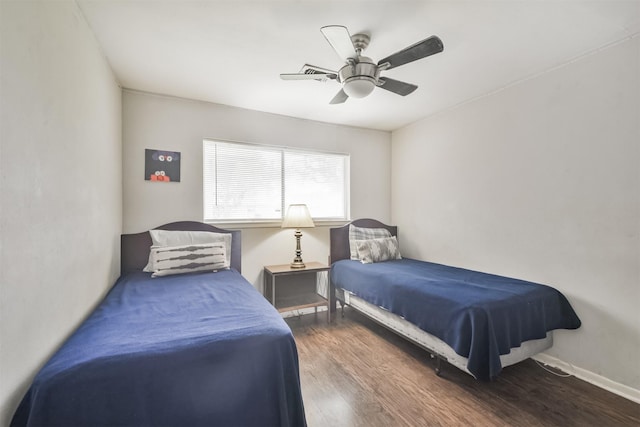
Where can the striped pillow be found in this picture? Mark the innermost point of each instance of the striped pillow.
(168, 260)
(361, 233)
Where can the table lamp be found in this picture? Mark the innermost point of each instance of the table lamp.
(297, 217)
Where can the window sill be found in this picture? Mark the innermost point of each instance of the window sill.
(272, 224)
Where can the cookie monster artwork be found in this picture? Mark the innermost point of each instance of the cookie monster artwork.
(161, 166)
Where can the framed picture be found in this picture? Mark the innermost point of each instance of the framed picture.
(161, 165)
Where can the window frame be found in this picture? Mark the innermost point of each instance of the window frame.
(254, 223)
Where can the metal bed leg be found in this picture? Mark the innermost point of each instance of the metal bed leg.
(438, 368)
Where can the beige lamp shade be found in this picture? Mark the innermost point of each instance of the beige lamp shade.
(297, 216)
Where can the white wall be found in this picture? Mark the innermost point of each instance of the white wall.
(60, 184)
(540, 181)
(167, 123)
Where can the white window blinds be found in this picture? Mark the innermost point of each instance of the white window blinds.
(245, 182)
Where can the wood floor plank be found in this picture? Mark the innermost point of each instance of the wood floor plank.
(356, 373)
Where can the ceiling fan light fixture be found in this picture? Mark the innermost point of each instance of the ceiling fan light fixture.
(359, 86)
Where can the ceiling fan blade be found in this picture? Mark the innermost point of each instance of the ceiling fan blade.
(396, 86)
(340, 40)
(307, 76)
(339, 98)
(308, 68)
(426, 47)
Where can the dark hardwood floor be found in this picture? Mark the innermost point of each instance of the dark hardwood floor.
(356, 373)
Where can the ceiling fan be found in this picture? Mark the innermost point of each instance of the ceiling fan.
(360, 75)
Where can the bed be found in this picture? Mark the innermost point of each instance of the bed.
(197, 349)
(477, 322)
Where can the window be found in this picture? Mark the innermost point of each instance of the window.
(247, 182)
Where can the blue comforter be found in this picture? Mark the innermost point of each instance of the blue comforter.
(190, 350)
(480, 316)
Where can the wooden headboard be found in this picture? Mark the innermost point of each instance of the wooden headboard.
(339, 237)
(134, 248)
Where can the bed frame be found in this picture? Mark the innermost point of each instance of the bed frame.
(438, 349)
(134, 248)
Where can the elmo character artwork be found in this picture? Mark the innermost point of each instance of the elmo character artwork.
(161, 166)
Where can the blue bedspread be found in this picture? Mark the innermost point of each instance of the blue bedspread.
(190, 350)
(480, 316)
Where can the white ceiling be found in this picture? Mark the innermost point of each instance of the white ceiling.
(232, 52)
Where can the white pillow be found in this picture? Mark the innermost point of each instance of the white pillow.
(361, 233)
(378, 250)
(181, 238)
(168, 260)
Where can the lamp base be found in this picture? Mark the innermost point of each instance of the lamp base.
(297, 264)
(297, 261)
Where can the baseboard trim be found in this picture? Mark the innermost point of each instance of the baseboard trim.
(590, 377)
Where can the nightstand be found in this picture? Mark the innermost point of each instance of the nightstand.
(288, 299)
